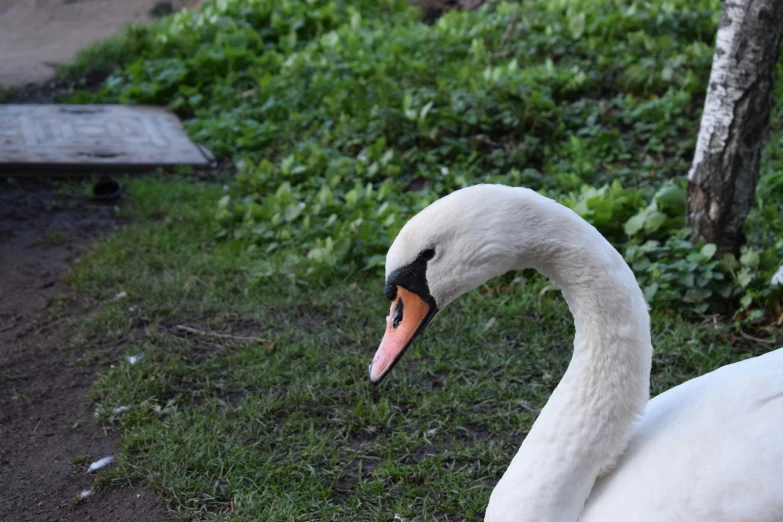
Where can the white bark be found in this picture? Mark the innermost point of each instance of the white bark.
(723, 92)
(722, 179)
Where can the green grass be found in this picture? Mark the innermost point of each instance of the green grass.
(333, 112)
(239, 431)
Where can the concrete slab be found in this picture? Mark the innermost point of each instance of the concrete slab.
(88, 139)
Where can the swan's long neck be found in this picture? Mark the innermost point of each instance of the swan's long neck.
(589, 418)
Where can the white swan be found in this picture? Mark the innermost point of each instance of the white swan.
(708, 450)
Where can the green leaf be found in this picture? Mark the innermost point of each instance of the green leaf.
(749, 258)
(686, 280)
(698, 294)
(744, 277)
(649, 292)
(671, 200)
(635, 224)
(577, 24)
(654, 221)
(352, 197)
(729, 263)
(725, 291)
(708, 250)
(293, 211)
(641, 265)
(424, 111)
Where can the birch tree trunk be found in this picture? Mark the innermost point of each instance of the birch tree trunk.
(722, 179)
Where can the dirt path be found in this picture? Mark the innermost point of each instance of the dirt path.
(37, 36)
(45, 414)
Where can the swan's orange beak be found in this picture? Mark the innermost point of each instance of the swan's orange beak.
(408, 316)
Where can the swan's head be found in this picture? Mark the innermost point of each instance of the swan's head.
(450, 247)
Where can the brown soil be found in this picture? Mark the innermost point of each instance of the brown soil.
(46, 418)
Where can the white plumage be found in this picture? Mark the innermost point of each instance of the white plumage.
(708, 450)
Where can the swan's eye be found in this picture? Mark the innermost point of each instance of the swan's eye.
(397, 314)
(428, 254)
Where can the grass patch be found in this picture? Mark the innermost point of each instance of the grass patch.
(344, 119)
(236, 431)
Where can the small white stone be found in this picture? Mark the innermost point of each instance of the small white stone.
(121, 295)
(87, 493)
(133, 359)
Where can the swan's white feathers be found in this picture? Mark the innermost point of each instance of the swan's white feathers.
(708, 450)
(462, 228)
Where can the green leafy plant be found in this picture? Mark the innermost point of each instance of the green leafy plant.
(607, 208)
(678, 272)
(666, 213)
(346, 118)
(343, 119)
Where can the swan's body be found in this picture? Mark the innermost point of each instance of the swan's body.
(708, 450)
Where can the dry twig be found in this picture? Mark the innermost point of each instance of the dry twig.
(222, 335)
(751, 338)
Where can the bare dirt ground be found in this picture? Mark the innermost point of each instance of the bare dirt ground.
(46, 420)
(37, 36)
